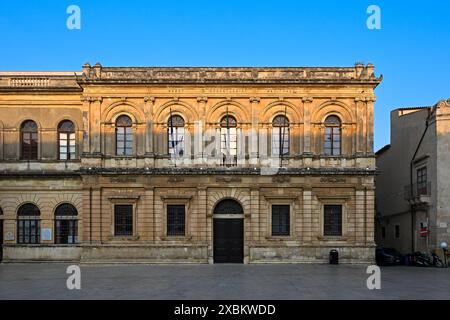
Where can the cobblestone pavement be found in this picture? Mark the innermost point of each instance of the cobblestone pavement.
(221, 282)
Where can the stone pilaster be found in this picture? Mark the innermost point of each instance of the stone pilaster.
(254, 102)
(86, 111)
(149, 104)
(307, 125)
(199, 130)
(360, 139)
(306, 232)
(370, 101)
(254, 218)
(96, 125)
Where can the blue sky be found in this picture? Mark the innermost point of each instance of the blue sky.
(412, 50)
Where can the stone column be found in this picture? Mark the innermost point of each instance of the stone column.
(370, 101)
(254, 101)
(86, 109)
(199, 130)
(202, 234)
(254, 217)
(360, 216)
(370, 216)
(306, 232)
(149, 104)
(360, 126)
(95, 117)
(146, 215)
(307, 125)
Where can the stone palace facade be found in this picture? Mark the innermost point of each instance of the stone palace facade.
(188, 165)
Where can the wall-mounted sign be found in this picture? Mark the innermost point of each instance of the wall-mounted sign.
(9, 236)
(46, 234)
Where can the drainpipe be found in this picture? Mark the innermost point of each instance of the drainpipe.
(411, 166)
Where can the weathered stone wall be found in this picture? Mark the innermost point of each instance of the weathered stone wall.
(149, 180)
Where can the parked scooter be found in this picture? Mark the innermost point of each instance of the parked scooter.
(436, 261)
(421, 259)
(425, 260)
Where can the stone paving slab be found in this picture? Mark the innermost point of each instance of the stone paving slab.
(221, 282)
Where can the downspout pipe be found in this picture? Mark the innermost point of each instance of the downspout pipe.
(411, 167)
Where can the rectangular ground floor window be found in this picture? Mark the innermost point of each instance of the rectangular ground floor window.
(176, 216)
(332, 222)
(397, 231)
(123, 220)
(281, 220)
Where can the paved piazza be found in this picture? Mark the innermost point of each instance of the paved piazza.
(234, 282)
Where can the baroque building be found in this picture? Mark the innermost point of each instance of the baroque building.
(188, 165)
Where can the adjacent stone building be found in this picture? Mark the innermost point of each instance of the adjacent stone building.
(413, 185)
(188, 165)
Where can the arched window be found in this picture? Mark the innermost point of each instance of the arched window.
(333, 136)
(176, 133)
(28, 224)
(66, 224)
(228, 140)
(280, 136)
(66, 140)
(124, 136)
(29, 140)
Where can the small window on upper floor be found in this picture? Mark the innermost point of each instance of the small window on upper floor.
(333, 136)
(66, 140)
(422, 181)
(124, 136)
(29, 140)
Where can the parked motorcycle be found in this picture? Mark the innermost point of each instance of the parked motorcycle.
(425, 260)
(421, 259)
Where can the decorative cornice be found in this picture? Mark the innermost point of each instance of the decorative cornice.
(307, 99)
(359, 75)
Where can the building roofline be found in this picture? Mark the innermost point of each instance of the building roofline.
(382, 150)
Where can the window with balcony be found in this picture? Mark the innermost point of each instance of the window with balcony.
(333, 136)
(228, 140)
(29, 140)
(280, 136)
(66, 140)
(176, 133)
(124, 136)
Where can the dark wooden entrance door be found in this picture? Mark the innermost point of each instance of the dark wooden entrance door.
(228, 240)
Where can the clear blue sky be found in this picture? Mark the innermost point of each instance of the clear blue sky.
(412, 50)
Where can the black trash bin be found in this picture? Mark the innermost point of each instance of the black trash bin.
(334, 257)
